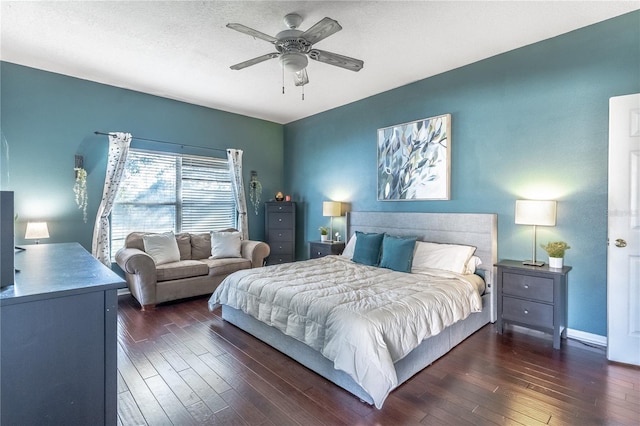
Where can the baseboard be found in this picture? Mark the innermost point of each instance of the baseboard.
(589, 338)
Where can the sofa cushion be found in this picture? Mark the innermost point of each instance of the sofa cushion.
(163, 248)
(200, 246)
(225, 244)
(184, 245)
(181, 269)
(226, 266)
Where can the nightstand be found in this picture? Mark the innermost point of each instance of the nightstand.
(323, 248)
(533, 297)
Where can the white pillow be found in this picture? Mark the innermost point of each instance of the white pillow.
(163, 248)
(450, 257)
(225, 244)
(350, 247)
(472, 265)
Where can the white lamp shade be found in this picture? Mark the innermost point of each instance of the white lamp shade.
(36, 230)
(294, 61)
(536, 212)
(331, 208)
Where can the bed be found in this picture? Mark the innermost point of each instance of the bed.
(368, 377)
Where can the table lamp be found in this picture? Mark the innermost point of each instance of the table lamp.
(36, 231)
(331, 209)
(536, 213)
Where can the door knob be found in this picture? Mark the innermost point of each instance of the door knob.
(621, 243)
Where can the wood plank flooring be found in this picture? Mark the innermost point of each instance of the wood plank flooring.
(183, 365)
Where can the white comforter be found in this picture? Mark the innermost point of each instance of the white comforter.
(360, 317)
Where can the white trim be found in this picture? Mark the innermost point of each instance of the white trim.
(583, 336)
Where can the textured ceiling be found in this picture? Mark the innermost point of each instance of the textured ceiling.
(182, 49)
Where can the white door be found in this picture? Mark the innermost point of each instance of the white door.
(623, 260)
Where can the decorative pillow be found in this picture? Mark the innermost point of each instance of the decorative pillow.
(450, 257)
(350, 247)
(201, 245)
(397, 253)
(225, 244)
(163, 248)
(472, 264)
(367, 249)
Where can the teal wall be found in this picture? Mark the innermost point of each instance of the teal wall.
(530, 123)
(48, 118)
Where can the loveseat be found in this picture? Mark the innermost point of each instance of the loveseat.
(153, 276)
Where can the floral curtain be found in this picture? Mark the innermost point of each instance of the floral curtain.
(118, 150)
(235, 167)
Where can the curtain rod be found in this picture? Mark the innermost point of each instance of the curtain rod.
(165, 142)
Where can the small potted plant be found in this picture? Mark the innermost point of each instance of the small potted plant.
(324, 233)
(555, 250)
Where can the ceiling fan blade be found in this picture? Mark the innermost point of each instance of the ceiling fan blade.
(301, 78)
(254, 61)
(337, 60)
(321, 30)
(253, 33)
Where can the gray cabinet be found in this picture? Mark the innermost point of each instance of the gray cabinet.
(533, 297)
(280, 230)
(319, 249)
(58, 331)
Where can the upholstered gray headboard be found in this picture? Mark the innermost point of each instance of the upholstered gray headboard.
(474, 229)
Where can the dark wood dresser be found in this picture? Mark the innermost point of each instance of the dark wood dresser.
(58, 326)
(280, 231)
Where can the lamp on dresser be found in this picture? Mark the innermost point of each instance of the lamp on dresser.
(536, 213)
(36, 231)
(331, 209)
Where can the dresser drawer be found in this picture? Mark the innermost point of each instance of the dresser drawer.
(277, 259)
(276, 235)
(526, 286)
(281, 247)
(319, 250)
(280, 220)
(282, 208)
(527, 312)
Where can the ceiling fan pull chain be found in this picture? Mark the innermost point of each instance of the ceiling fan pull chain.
(283, 79)
(303, 92)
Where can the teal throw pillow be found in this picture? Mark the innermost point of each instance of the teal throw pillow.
(397, 253)
(367, 250)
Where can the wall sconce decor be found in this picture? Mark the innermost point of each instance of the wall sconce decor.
(536, 213)
(255, 191)
(80, 186)
(36, 231)
(331, 209)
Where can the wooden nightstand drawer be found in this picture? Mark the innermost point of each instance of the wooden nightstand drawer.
(319, 249)
(527, 286)
(527, 312)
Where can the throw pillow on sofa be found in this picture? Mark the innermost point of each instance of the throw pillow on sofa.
(225, 244)
(163, 248)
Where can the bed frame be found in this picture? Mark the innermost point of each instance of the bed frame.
(479, 230)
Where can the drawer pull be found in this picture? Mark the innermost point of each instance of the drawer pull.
(280, 234)
(526, 286)
(280, 220)
(526, 311)
(319, 253)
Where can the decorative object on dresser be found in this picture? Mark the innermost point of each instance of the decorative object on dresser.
(331, 209)
(533, 297)
(555, 250)
(280, 231)
(319, 249)
(414, 160)
(536, 213)
(36, 231)
(324, 233)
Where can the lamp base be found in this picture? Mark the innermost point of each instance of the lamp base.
(532, 263)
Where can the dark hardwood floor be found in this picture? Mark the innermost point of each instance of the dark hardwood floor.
(183, 365)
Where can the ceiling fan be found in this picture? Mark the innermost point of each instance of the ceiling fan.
(294, 47)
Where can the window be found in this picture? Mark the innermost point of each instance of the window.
(171, 192)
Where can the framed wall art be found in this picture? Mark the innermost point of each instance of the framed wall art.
(414, 160)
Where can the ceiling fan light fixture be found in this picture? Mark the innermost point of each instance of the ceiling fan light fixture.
(294, 61)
